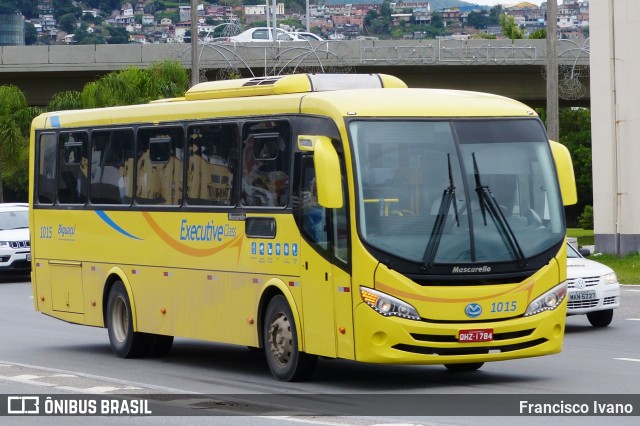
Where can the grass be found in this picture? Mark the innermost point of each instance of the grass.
(627, 267)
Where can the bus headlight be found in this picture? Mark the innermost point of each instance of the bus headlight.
(5, 244)
(548, 301)
(388, 305)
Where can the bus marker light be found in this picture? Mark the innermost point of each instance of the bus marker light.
(93, 303)
(135, 271)
(41, 298)
(342, 330)
(166, 274)
(250, 320)
(163, 310)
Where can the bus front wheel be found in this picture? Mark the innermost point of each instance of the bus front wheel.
(124, 341)
(280, 343)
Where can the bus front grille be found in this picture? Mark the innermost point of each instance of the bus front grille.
(474, 350)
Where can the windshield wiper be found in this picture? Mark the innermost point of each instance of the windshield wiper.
(488, 202)
(448, 197)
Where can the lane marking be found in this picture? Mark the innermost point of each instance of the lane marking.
(628, 359)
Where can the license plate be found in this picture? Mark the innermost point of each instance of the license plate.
(29, 257)
(477, 335)
(582, 295)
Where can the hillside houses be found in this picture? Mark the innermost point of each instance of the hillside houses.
(332, 20)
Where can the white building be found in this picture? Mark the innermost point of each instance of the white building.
(615, 124)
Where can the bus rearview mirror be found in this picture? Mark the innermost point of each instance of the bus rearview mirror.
(328, 175)
(566, 178)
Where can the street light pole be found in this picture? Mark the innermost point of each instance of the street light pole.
(553, 126)
(195, 66)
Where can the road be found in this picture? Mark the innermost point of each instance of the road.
(42, 355)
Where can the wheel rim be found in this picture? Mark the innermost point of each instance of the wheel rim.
(280, 339)
(120, 320)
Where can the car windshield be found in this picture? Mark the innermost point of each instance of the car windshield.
(456, 191)
(14, 219)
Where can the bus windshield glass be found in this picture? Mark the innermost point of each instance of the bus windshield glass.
(456, 191)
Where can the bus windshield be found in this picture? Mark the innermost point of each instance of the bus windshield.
(456, 191)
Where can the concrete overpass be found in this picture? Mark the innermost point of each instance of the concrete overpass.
(510, 68)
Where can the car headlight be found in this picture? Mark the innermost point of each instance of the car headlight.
(388, 305)
(610, 278)
(547, 301)
(5, 244)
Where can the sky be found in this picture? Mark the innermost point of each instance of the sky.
(494, 2)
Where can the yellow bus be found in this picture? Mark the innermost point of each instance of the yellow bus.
(342, 216)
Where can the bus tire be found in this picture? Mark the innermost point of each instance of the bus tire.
(469, 366)
(124, 341)
(280, 343)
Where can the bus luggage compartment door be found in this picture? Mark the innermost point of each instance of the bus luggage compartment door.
(66, 286)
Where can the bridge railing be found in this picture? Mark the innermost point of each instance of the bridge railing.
(315, 56)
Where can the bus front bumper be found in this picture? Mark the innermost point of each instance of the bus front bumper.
(393, 340)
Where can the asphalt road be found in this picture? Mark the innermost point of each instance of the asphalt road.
(45, 356)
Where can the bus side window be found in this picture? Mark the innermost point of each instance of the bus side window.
(211, 164)
(313, 215)
(160, 164)
(111, 167)
(46, 188)
(265, 163)
(74, 164)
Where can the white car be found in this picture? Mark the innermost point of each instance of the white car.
(15, 247)
(593, 288)
(307, 36)
(264, 34)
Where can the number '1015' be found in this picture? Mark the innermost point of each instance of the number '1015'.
(504, 306)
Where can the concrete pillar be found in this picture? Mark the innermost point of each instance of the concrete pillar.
(615, 124)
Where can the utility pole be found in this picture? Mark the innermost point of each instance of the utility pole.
(553, 126)
(195, 66)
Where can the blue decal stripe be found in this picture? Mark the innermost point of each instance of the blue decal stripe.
(114, 225)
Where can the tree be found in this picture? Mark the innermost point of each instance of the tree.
(538, 34)
(63, 7)
(67, 23)
(7, 8)
(575, 134)
(478, 20)
(166, 79)
(15, 122)
(118, 35)
(509, 28)
(30, 34)
(436, 20)
(83, 37)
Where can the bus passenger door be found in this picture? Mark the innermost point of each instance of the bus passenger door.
(316, 276)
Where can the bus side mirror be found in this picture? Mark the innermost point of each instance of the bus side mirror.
(327, 165)
(566, 178)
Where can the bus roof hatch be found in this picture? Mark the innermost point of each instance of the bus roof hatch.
(295, 83)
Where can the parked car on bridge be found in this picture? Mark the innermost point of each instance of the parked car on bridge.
(15, 247)
(593, 288)
(307, 36)
(264, 34)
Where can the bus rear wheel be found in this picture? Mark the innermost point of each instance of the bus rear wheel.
(124, 341)
(280, 341)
